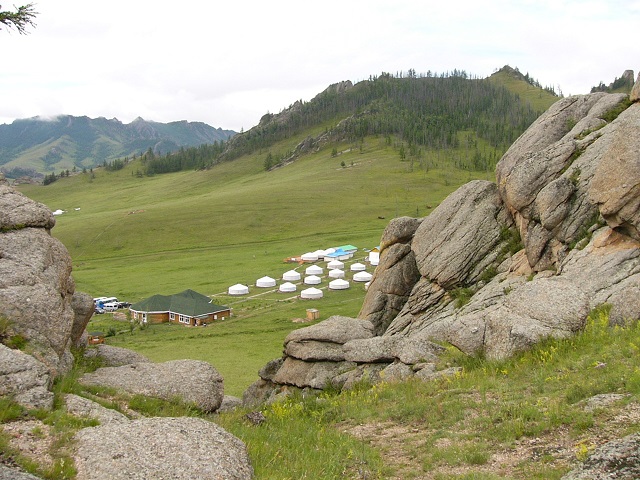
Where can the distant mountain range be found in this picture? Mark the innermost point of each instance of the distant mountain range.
(39, 146)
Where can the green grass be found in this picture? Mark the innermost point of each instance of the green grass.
(235, 222)
(520, 418)
(207, 230)
(539, 99)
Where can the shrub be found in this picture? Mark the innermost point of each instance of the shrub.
(461, 295)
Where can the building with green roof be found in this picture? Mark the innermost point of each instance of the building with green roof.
(187, 308)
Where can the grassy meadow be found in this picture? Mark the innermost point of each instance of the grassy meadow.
(133, 236)
(525, 418)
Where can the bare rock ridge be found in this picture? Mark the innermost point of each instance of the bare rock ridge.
(497, 266)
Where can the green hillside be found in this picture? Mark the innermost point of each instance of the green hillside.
(234, 223)
(132, 234)
(539, 98)
(35, 146)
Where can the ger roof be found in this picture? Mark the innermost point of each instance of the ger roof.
(189, 303)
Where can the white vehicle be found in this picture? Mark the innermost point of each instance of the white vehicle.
(102, 300)
(110, 307)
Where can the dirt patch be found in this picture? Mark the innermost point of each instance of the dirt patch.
(32, 438)
(404, 447)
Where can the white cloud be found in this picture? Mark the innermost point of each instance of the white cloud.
(228, 64)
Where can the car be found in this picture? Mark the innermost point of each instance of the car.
(98, 310)
(124, 304)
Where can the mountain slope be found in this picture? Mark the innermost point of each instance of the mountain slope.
(66, 142)
(527, 88)
(427, 110)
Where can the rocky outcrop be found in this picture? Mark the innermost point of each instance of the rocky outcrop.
(37, 292)
(569, 188)
(634, 96)
(24, 379)
(192, 381)
(314, 355)
(340, 352)
(497, 267)
(615, 460)
(176, 448)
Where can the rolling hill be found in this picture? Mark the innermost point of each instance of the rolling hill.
(37, 145)
(133, 234)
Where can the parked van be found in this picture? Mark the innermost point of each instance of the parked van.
(110, 307)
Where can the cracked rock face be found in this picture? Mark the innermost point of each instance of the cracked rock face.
(37, 292)
(572, 179)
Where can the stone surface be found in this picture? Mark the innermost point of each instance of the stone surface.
(634, 96)
(82, 306)
(84, 407)
(387, 349)
(8, 473)
(615, 460)
(258, 392)
(37, 292)
(391, 285)
(192, 381)
(313, 350)
(229, 403)
(458, 241)
(176, 448)
(25, 379)
(270, 369)
(18, 211)
(115, 356)
(310, 374)
(615, 186)
(399, 230)
(335, 329)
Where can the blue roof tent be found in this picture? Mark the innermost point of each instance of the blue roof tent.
(347, 248)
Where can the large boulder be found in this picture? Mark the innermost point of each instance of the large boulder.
(192, 381)
(24, 379)
(569, 184)
(176, 448)
(18, 211)
(37, 292)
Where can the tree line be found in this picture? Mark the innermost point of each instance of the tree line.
(422, 110)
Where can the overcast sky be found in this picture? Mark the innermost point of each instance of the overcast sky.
(227, 64)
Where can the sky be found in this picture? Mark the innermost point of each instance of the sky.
(228, 63)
